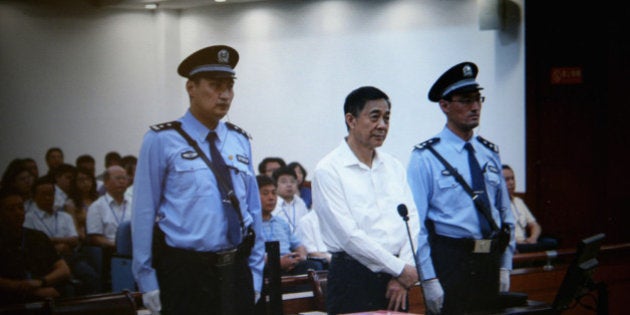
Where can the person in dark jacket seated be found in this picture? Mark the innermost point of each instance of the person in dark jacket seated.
(30, 268)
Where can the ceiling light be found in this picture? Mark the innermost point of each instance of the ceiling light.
(151, 6)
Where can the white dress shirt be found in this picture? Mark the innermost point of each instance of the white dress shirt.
(105, 214)
(291, 212)
(310, 233)
(357, 209)
(522, 216)
(56, 225)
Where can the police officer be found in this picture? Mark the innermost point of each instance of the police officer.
(465, 259)
(208, 254)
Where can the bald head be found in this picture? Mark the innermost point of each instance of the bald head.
(116, 181)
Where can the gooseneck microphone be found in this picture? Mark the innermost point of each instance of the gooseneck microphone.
(404, 214)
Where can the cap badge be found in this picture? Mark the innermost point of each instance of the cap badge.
(223, 56)
(467, 71)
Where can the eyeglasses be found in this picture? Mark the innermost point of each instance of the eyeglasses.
(468, 101)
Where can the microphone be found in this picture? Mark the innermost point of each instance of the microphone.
(403, 212)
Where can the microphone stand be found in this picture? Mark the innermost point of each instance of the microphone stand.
(402, 210)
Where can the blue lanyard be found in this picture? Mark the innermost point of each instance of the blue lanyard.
(46, 225)
(291, 221)
(124, 208)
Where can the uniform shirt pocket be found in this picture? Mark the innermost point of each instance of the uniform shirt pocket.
(191, 177)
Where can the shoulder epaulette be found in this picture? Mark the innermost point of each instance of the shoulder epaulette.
(429, 142)
(488, 144)
(165, 126)
(238, 129)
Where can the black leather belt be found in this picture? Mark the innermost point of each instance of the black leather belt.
(222, 258)
(482, 246)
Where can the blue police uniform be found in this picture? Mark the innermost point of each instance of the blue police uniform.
(175, 186)
(452, 245)
(441, 199)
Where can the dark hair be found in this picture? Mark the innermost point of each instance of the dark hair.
(63, 169)
(44, 180)
(264, 180)
(76, 194)
(128, 160)
(110, 157)
(285, 170)
(263, 164)
(293, 165)
(85, 158)
(506, 167)
(51, 150)
(6, 192)
(355, 101)
(15, 167)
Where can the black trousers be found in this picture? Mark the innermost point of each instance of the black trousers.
(470, 280)
(353, 287)
(191, 284)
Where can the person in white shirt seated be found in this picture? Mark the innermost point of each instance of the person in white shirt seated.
(290, 206)
(526, 231)
(310, 234)
(108, 211)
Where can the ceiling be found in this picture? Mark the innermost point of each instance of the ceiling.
(162, 4)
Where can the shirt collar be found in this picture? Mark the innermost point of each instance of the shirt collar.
(198, 131)
(450, 138)
(43, 214)
(348, 158)
(110, 200)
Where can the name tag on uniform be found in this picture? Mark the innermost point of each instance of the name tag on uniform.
(242, 159)
(482, 246)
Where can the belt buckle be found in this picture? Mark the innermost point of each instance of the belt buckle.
(226, 258)
(482, 246)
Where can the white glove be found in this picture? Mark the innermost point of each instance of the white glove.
(504, 280)
(433, 296)
(151, 301)
(256, 296)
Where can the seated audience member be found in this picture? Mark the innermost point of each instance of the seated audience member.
(86, 162)
(109, 210)
(84, 194)
(304, 187)
(31, 165)
(290, 207)
(293, 256)
(310, 234)
(111, 158)
(60, 228)
(129, 162)
(54, 158)
(30, 268)
(19, 178)
(526, 231)
(64, 177)
(269, 164)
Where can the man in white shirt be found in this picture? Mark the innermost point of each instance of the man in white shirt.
(310, 234)
(64, 176)
(290, 206)
(356, 192)
(109, 210)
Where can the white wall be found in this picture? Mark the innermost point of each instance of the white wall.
(94, 80)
